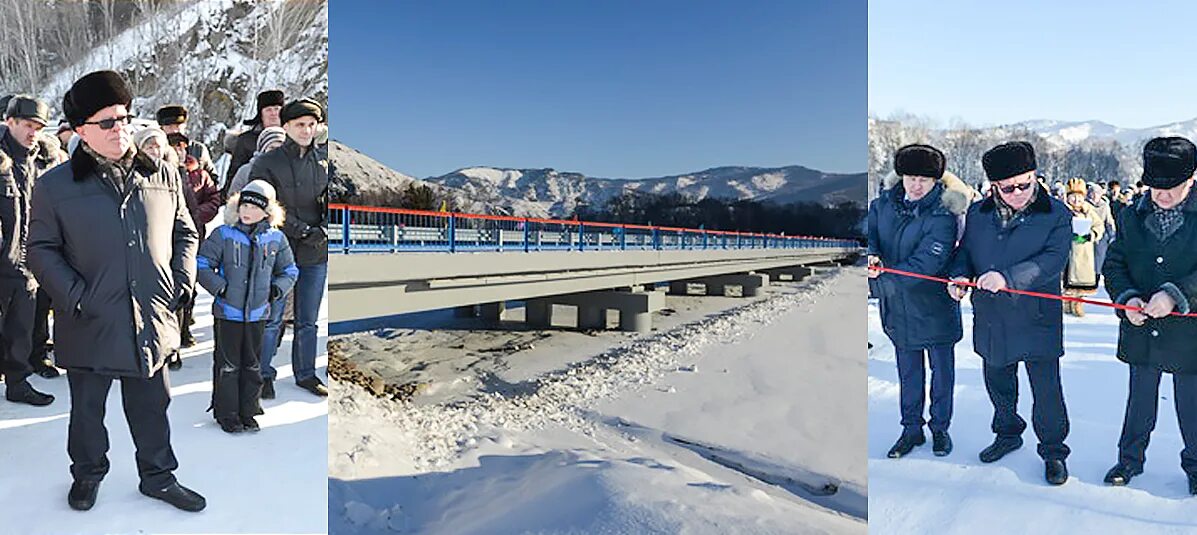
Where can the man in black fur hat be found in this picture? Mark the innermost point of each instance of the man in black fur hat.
(111, 241)
(173, 120)
(1019, 238)
(1152, 266)
(270, 106)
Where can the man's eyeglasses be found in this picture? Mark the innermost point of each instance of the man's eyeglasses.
(1016, 187)
(109, 124)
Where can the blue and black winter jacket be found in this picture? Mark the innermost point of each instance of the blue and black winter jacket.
(240, 264)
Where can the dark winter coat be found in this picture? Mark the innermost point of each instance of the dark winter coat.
(302, 186)
(1138, 264)
(919, 237)
(19, 169)
(202, 155)
(243, 265)
(203, 201)
(116, 265)
(243, 149)
(1030, 253)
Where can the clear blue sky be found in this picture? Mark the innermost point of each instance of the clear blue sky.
(622, 89)
(1131, 64)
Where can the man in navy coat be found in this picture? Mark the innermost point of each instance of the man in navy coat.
(1018, 238)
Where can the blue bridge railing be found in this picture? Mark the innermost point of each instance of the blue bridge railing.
(372, 229)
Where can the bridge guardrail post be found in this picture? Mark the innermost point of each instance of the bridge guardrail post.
(581, 237)
(452, 233)
(345, 229)
(527, 230)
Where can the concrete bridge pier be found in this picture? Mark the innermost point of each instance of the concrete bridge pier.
(538, 313)
(795, 273)
(750, 283)
(635, 309)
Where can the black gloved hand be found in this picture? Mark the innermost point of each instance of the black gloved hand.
(182, 298)
(315, 237)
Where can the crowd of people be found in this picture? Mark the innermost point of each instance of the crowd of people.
(1024, 249)
(104, 222)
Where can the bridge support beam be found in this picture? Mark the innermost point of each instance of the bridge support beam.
(681, 287)
(538, 313)
(750, 283)
(493, 312)
(795, 273)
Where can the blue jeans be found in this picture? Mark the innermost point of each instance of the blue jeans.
(912, 380)
(309, 291)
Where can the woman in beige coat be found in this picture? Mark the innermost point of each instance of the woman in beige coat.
(1080, 278)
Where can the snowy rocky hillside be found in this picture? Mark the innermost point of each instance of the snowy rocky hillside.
(359, 179)
(212, 56)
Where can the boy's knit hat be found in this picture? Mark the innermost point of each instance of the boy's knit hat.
(258, 193)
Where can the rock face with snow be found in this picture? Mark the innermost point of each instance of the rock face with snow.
(559, 192)
(213, 56)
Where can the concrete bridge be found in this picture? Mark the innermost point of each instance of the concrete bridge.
(403, 261)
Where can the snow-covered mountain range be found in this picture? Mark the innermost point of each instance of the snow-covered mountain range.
(1063, 133)
(552, 193)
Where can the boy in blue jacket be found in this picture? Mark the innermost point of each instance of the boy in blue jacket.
(247, 265)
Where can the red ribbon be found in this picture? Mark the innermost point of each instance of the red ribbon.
(1023, 292)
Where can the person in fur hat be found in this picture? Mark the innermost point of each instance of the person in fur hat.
(299, 171)
(913, 226)
(1088, 228)
(1153, 266)
(248, 266)
(111, 241)
(247, 263)
(173, 120)
(270, 106)
(1018, 238)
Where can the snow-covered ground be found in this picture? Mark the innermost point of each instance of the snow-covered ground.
(273, 481)
(748, 420)
(922, 493)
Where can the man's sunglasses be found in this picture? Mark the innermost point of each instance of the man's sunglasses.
(1016, 187)
(109, 124)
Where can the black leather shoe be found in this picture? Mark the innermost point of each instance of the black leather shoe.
(314, 386)
(267, 389)
(178, 496)
(83, 494)
(230, 425)
(1000, 447)
(250, 424)
(905, 444)
(1121, 474)
(23, 392)
(45, 368)
(1055, 472)
(941, 443)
